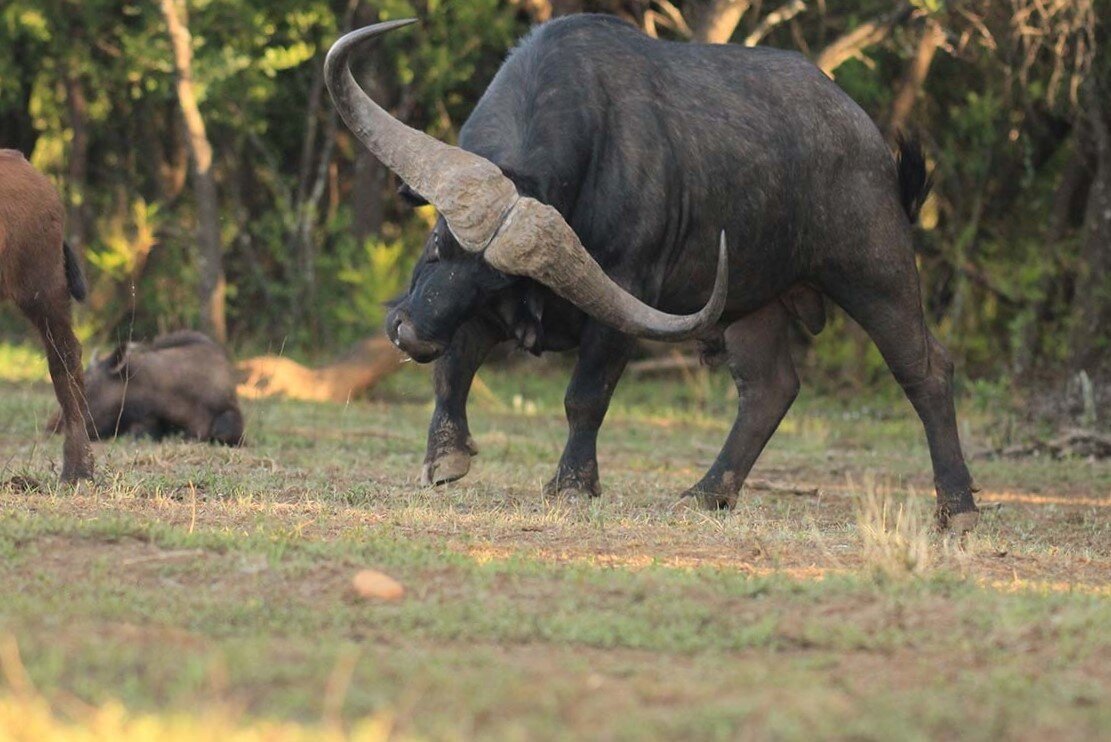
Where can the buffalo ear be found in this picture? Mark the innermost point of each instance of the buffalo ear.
(411, 197)
(117, 363)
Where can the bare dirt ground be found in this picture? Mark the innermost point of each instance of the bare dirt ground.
(189, 578)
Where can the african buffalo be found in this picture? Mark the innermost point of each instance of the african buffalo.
(589, 188)
(182, 383)
(40, 273)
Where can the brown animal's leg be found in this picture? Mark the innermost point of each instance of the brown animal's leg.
(63, 355)
(883, 296)
(603, 354)
(759, 356)
(450, 446)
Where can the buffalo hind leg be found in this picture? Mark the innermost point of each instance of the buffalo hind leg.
(758, 350)
(63, 357)
(450, 445)
(603, 353)
(887, 305)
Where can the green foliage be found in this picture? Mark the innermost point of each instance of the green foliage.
(23, 362)
(366, 275)
(996, 281)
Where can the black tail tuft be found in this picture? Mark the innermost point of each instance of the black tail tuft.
(75, 279)
(914, 180)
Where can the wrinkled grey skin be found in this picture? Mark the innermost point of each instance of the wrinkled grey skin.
(647, 148)
(183, 384)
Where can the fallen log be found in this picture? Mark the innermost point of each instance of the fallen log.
(1078, 443)
(674, 362)
(361, 369)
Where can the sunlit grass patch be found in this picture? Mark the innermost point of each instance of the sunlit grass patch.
(33, 720)
(27, 716)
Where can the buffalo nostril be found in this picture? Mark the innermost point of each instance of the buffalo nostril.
(409, 341)
(393, 323)
(407, 336)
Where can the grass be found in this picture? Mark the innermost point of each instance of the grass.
(208, 590)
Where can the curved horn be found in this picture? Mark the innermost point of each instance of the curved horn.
(484, 211)
(469, 191)
(536, 242)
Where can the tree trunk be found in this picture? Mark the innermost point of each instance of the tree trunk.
(77, 105)
(176, 169)
(304, 209)
(212, 286)
(714, 21)
(1071, 189)
(914, 78)
(306, 220)
(367, 195)
(370, 178)
(17, 126)
(1090, 340)
(313, 177)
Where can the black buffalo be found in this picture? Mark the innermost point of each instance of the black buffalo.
(584, 204)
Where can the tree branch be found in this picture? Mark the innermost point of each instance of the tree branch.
(869, 33)
(716, 20)
(915, 77)
(669, 16)
(782, 14)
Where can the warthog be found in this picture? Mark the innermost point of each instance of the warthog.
(182, 383)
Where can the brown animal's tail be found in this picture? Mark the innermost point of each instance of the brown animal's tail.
(75, 279)
(915, 181)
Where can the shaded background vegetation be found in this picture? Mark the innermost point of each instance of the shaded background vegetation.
(1010, 97)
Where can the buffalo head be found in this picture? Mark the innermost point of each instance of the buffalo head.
(487, 233)
(448, 286)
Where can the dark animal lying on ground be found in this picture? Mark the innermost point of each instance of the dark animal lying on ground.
(180, 384)
(40, 273)
(595, 175)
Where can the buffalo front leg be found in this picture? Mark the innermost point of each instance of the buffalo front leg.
(758, 351)
(603, 354)
(63, 357)
(450, 446)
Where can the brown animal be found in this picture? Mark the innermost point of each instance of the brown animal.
(182, 383)
(40, 273)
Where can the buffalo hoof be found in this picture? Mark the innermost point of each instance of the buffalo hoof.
(82, 473)
(956, 509)
(572, 487)
(77, 466)
(447, 466)
(703, 500)
(958, 523)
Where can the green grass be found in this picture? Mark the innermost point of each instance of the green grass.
(191, 578)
